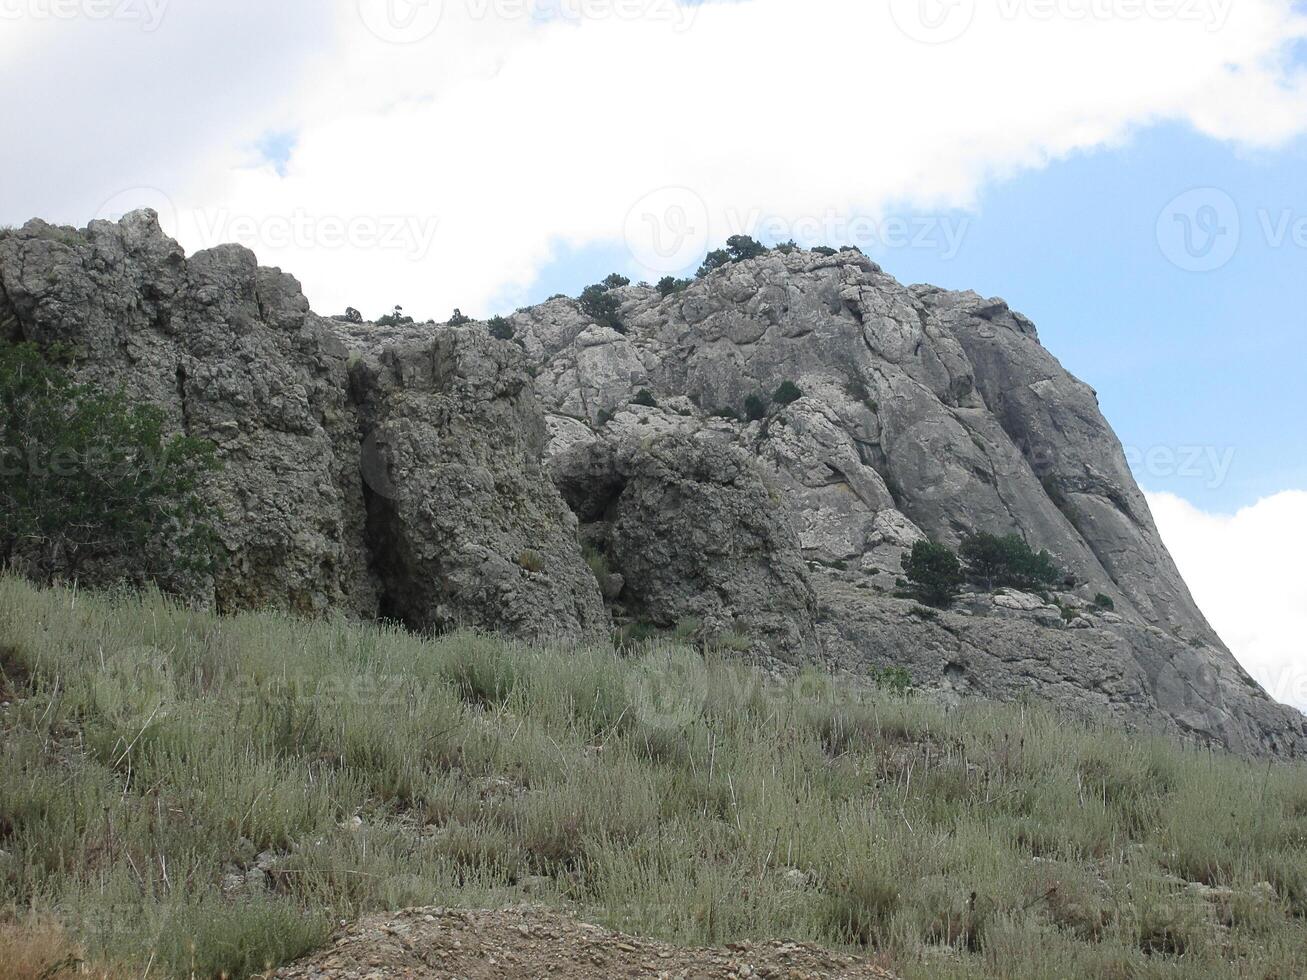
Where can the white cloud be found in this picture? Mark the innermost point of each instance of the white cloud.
(1246, 573)
(478, 150)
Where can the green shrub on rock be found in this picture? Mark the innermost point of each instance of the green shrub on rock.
(715, 260)
(742, 248)
(787, 393)
(669, 285)
(90, 484)
(1008, 562)
(755, 407)
(395, 318)
(934, 572)
(602, 307)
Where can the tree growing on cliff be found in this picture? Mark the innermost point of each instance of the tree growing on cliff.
(934, 573)
(603, 307)
(743, 247)
(1007, 562)
(90, 485)
(668, 285)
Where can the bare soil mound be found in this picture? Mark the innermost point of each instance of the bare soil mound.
(426, 944)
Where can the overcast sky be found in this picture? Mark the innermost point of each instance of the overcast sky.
(1128, 172)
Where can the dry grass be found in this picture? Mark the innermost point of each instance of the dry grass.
(210, 795)
(38, 947)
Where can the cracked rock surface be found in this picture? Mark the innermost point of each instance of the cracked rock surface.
(442, 477)
(375, 472)
(924, 413)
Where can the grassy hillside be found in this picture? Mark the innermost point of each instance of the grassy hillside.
(205, 795)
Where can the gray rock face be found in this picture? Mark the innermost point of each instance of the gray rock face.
(364, 472)
(924, 413)
(464, 526)
(695, 532)
(406, 471)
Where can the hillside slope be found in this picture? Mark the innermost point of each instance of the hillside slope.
(198, 795)
(442, 477)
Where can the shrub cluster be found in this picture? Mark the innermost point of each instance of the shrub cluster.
(1007, 561)
(739, 248)
(600, 305)
(934, 572)
(90, 485)
(395, 318)
(668, 285)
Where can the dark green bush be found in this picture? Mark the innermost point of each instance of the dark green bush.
(742, 248)
(1008, 561)
(755, 407)
(395, 318)
(668, 285)
(934, 573)
(602, 307)
(825, 250)
(787, 393)
(500, 328)
(738, 248)
(616, 281)
(786, 248)
(90, 485)
(1106, 602)
(715, 260)
(458, 319)
(645, 398)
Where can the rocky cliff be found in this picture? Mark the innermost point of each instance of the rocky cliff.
(443, 477)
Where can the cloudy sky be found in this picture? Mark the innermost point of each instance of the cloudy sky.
(1127, 172)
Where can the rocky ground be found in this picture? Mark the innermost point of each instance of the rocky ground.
(445, 944)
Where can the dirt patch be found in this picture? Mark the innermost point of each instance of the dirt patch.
(427, 944)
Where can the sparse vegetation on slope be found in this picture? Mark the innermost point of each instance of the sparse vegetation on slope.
(209, 795)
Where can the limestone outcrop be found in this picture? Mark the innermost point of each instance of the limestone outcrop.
(366, 472)
(751, 453)
(922, 414)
